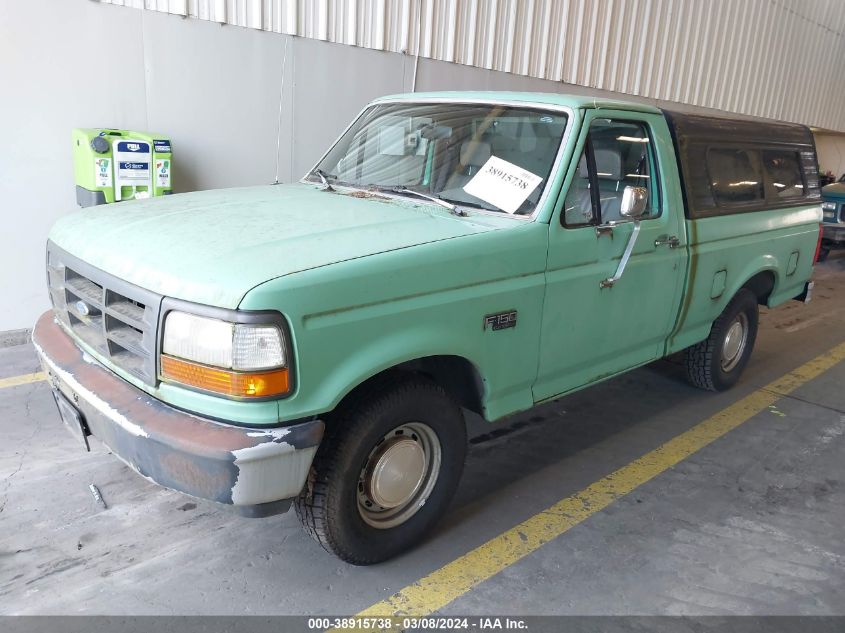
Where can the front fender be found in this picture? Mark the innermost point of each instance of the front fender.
(338, 356)
(354, 320)
(393, 349)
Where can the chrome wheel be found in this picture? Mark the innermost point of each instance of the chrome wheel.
(734, 344)
(399, 475)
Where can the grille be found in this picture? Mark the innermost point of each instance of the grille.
(112, 316)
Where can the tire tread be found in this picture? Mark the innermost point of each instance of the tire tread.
(701, 360)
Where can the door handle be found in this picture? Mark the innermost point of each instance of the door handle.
(608, 283)
(671, 241)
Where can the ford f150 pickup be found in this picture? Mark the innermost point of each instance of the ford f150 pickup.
(318, 342)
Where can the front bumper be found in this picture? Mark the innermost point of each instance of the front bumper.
(833, 233)
(255, 470)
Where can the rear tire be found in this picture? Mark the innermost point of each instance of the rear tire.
(717, 362)
(386, 470)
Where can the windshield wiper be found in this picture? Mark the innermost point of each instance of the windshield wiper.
(323, 178)
(473, 205)
(436, 199)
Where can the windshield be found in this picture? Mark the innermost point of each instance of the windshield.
(486, 156)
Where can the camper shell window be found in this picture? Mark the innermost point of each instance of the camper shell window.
(734, 166)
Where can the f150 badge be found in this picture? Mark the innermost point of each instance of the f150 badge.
(500, 320)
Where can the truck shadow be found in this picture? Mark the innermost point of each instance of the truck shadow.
(607, 425)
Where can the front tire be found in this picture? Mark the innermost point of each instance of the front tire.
(386, 470)
(717, 362)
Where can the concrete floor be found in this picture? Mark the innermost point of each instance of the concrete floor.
(751, 524)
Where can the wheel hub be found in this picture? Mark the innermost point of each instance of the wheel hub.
(397, 473)
(734, 343)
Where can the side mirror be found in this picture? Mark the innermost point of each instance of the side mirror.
(634, 200)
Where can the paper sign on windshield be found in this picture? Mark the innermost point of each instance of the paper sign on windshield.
(502, 184)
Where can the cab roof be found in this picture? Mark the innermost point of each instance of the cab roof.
(539, 99)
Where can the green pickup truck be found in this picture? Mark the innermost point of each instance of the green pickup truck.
(317, 343)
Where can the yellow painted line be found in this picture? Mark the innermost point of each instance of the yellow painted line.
(25, 379)
(451, 581)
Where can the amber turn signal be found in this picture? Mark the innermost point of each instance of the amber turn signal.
(224, 381)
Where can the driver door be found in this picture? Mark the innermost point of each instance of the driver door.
(592, 330)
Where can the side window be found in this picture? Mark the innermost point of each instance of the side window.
(735, 176)
(618, 155)
(783, 174)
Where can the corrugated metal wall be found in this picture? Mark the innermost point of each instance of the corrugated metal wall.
(780, 59)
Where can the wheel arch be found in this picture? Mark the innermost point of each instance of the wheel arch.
(761, 284)
(761, 275)
(459, 377)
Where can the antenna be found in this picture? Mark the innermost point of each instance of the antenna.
(419, 36)
(281, 96)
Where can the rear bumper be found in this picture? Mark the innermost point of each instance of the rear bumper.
(807, 295)
(255, 470)
(833, 233)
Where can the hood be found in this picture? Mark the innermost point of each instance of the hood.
(212, 247)
(836, 190)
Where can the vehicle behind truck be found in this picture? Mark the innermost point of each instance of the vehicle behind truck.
(833, 209)
(319, 344)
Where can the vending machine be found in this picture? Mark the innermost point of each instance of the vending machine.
(114, 165)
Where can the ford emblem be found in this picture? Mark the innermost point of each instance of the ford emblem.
(82, 308)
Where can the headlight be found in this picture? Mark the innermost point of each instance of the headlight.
(234, 359)
(829, 206)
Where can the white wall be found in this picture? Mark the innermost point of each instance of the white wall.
(212, 89)
(831, 151)
(43, 96)
(767, 58)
